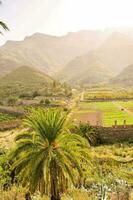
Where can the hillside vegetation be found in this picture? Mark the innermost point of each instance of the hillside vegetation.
(24, 80)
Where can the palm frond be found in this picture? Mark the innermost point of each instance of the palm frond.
(4, 26)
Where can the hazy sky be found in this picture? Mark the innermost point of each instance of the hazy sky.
(57, 17)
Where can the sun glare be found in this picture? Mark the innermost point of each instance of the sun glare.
(87, 14)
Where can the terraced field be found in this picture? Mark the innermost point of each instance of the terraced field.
(105, 113)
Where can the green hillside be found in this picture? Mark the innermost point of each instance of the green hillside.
(24, 80)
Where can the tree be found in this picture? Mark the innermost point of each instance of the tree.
(47, 102)
(87, 131)
(35, 94)
(48, 156)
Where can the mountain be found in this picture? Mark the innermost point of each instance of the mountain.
(124, 30)
(22, 80)
(96, 74)
(88, 69)
(69, 56)
(48, 53)
(125, 78)
(114, 54)
(116, 51)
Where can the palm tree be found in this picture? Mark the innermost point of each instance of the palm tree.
(87, 131)
(46, 155)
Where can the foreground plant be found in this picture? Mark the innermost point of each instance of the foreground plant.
(47, 156)
(87, 131)
(4, 26)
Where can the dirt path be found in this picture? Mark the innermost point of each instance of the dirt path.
(123, 108)
(95, 118)
(82, 96)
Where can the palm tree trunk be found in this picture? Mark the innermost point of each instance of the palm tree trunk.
(27, 196)
(55, 195)
(55, 198)
(54, 190)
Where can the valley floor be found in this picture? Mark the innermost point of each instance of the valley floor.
(104, 113)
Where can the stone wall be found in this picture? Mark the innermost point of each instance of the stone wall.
(107, 135)
(115, 134)
(12, 111)
(4, 126)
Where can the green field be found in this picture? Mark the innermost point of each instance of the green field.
(108, 93)
(110, 111)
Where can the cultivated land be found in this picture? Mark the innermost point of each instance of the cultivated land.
(101, 156)
(104, 113)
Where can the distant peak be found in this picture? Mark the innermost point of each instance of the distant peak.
(119, 36)
(10, 43)
(117, 39)
(39, 36)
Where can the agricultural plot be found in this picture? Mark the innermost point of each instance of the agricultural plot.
(106, 93)
(127, 105)
(105, 113)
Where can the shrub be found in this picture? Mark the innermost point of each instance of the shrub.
(47, 102)
(88, 132)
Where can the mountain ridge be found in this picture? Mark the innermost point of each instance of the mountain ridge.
(115, 53)
(49, 53)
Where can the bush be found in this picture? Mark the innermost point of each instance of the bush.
(12, 101)
(5, 172)
(15, 193)
(47, 102)
(42, 102)
(35, 94)
(88, 132)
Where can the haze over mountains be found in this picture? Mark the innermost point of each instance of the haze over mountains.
(125, 77)
(115, 54)
(47, 53)
(88, 57)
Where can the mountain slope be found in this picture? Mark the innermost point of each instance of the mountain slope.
(114, 54)
(116, 51)
(24, 80)
(96, 74)
(87, 69)
(48, 53)
(125, 78)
